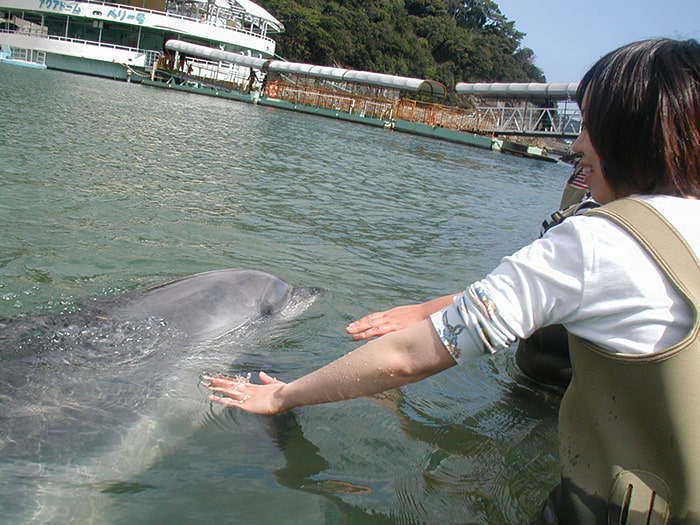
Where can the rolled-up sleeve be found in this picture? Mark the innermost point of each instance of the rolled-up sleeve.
(534, 287)
(472, 325)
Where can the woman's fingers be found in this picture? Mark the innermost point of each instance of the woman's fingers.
(239, 392)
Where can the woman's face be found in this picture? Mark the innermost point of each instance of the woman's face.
(591, 165)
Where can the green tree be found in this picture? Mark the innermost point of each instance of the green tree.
(446, 40)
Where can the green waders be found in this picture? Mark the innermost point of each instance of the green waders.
(629, 425)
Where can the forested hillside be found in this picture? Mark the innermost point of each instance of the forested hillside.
(447, 40)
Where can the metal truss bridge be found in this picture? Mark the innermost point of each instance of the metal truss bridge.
(518, 109)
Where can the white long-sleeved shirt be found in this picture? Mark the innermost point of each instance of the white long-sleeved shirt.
(586, 273)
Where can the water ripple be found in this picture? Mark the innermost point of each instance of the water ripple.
(110, 187)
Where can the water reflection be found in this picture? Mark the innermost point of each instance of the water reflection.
(126, 186)
(436, 453)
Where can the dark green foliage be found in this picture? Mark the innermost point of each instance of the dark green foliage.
(446, 40)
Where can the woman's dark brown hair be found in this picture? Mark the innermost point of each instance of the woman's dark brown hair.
(642, 112)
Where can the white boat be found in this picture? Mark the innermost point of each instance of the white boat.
(123, 41)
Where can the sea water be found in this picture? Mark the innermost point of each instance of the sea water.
(109, 187)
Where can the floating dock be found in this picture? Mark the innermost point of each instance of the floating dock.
(367, 98)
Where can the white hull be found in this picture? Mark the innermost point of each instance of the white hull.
(80, 57)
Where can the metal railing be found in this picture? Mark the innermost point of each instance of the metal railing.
(556, 122)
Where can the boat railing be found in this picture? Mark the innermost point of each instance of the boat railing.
(232, 74)
(234, 19)
(72, 40)
(225, 76)
(202, 16)
(140, 9)
(27, 27)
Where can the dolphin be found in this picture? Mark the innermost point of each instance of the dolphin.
(90, 399)
(196, 308)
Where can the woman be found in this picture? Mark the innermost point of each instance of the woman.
(629, 317)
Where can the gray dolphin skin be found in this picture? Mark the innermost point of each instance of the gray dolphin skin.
(89, 400)
(208, 305)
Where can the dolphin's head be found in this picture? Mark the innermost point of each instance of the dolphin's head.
(208, 305)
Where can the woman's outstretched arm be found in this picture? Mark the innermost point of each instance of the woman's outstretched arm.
(391, 361)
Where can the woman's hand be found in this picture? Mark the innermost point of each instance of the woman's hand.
(239, 392)
(395, 319)
(380, 323)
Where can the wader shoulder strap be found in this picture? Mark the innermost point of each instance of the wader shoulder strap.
(663, 242)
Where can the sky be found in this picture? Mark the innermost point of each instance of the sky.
(568, 36)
